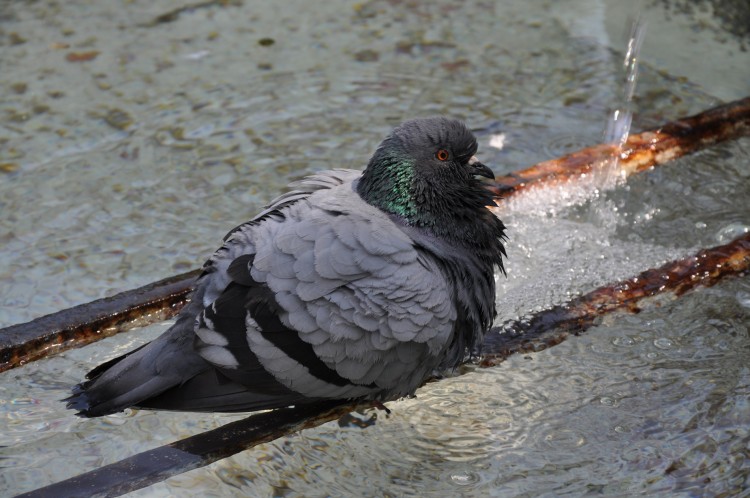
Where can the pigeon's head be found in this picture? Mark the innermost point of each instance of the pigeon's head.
(425, 172)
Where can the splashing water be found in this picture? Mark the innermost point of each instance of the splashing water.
(618, 127)
(607, 175)
(559, 254)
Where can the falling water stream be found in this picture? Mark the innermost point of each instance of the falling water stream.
(127, 162)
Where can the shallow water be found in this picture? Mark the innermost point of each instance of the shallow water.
(130, 167)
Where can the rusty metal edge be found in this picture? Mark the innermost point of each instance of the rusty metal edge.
(89, 322)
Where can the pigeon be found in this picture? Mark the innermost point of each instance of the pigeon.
(353, 285)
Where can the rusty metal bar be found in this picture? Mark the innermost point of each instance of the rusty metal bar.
(543, 330)
(81, 325)
(160, 463)
(640, 152)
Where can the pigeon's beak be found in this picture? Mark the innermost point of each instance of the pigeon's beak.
(480, 169)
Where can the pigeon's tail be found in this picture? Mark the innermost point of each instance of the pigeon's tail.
(168, 374)
(138, 376)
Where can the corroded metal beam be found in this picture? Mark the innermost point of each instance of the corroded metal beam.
(83, 324)
(640, 152)
(197, 451)
(544, 329)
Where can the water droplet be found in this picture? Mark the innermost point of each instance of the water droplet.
(565, 438)
(664, 343)
(608, 401)
(623, 341)
(744, 299)
(465, 478)
(731, 232)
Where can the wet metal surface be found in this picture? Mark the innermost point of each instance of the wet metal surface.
(86, 323)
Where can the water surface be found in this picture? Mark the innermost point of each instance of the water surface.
(130, 167)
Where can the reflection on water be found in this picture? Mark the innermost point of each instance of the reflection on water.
(154, 152)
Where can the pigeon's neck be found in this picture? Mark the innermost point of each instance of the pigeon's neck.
(388, 186)
(453, 211)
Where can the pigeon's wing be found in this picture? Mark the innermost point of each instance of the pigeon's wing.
(331, 298)
(168, 373)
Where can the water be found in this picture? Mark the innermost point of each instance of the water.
(175, 133)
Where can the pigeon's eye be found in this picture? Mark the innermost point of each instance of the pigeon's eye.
(442, 155)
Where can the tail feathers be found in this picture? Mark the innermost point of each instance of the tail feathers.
(212, 391)
(144, 373)
(100, 369)
(167, 374)
(94, 400)
(207, 391)
(78, 400)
